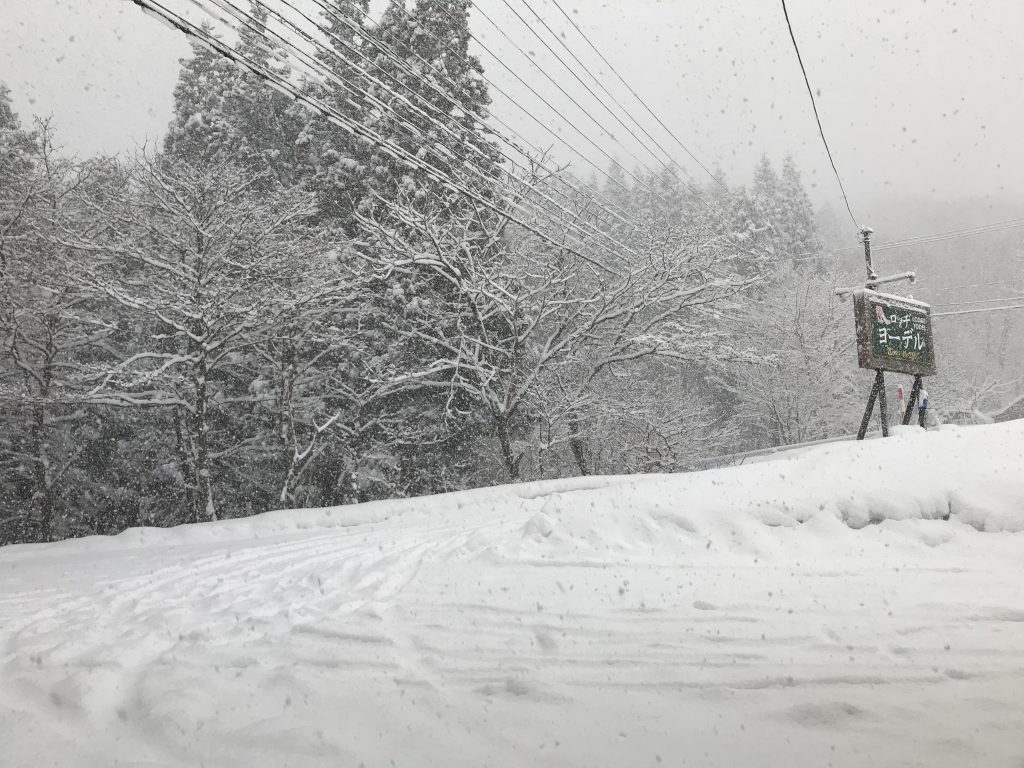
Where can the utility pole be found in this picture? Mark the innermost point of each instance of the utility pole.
(878, 388)
(866, 233)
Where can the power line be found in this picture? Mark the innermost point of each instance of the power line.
(671, 166)
(954, 234)
(158, 11)
(432, 68)
(637, 96)
(936, 237)
(390, 53)
(562, 90)
(319, 69)
(572, 72)
(548, 104)
(584, 110)
(314, 67)
(497, 88)
(974, 285)
(281, 84)
(595, 78)
(972, 302)
(978, 311)
(817, 117)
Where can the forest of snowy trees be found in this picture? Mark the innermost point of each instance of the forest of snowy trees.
(271, 311)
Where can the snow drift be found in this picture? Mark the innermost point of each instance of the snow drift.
(857, 603)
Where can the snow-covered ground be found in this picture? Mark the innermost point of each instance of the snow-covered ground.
(848, 605)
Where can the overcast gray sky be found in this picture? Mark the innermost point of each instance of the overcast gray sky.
(918, 97)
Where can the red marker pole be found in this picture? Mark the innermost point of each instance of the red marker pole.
(903, 405)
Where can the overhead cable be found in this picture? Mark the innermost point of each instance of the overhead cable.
(393, 56)
(817, 117)
(954, 234)
(978, 311)
(561, 41)
(320, 70)
(717, 212)
(553, 108)
(973, 302)
(578, 79)
(936, 237)
(593, 119)
(667, 166)
(637, 96)
(545, 126)
(314, 67)
(157, 10)
(974, 285)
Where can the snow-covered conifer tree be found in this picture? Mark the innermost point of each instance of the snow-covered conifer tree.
(765, 195)
(798, 227)
(223, 112)
(339, 158)
(201, 128)
(454, 140)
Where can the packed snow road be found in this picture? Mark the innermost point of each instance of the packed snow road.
(849, 605)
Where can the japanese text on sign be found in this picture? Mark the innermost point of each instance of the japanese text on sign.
(893, 333)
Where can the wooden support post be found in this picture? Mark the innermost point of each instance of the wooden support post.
(876, 388)
(915, 392)
(883, 404)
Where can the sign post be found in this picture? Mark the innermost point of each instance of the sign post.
(894, 333)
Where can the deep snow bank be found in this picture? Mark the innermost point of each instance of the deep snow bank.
(846, 605)
(971, 475)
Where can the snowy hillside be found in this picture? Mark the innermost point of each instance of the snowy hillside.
(850, 605)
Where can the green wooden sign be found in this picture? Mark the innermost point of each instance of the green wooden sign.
(894, 333)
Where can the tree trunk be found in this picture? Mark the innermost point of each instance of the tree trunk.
(42, 481)
(205, 509)
(577, 443)
(286, 428)
(507, 453)
(42, 492)
(187, 468)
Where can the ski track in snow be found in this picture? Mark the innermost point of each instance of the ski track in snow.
(607, 623)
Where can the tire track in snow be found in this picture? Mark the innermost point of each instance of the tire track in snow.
(223, 598)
